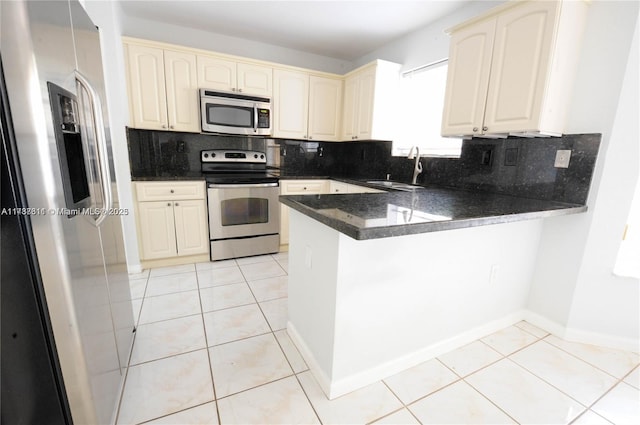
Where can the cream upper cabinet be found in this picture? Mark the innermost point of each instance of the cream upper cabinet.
(325, 108)
(255, 79)
(221, 74)
(182, 91)
(163, 92)
(147, 95)
(370, 102)
(468, 79)
(350, 107)
(215, 73)
(511, 72)
(306, 106)
(290, 104)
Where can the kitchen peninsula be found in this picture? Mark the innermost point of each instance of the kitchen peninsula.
(381, 282)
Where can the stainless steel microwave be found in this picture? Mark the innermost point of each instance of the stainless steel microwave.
(234, 113)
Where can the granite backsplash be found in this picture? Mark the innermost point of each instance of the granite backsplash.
(515, 166)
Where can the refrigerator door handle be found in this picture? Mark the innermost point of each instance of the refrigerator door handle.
(103, 154)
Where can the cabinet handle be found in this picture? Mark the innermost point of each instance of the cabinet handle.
(310, 138)
(168, 204)
(164, 126)
(485, 128)
(233, 89)
(240, 90)
(475, 129)
(171, 191)
(304, 188)
(177, 204)
(171, 127)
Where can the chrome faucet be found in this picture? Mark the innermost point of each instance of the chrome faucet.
(417, 166)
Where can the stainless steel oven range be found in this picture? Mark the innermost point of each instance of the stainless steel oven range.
(244, 213)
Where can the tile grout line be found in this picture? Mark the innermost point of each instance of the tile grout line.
(584, 360)
(133, 345)
(206, 344)
(315, 412)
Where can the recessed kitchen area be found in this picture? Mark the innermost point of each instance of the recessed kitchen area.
(419, 214)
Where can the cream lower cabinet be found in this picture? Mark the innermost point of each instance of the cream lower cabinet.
(297, 187)
(174, 226)
(341, 187)
(511, 71)
(312, 187)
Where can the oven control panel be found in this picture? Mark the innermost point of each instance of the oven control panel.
(233, 156)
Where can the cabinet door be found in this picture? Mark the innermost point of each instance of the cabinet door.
(157, 229)
(350, 108)
(254, 79)
(468, 79)
(520, 67)
(216, 74)
(182, 91)
(146, 87)
(192, 235)
(338, 187)
(366, 92)
(284, 225)
(291, 104)
(325, 108)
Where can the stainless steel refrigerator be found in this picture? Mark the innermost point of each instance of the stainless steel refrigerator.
(67, 321)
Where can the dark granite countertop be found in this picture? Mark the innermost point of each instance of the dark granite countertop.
(430, 209)
(167, 176)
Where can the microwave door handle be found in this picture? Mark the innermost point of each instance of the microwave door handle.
(103, 155)
(255, 118)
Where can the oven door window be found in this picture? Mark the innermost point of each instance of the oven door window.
(230, 116)
(239, 211)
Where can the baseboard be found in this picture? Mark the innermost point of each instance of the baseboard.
(582, 336)
(358, 380)
(309, 358)
(134, 268)
(361, 379)
(175, 261)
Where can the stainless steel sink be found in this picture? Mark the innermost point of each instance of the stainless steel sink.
(395, 185)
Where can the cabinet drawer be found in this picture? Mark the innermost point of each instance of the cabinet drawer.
(169, 191)
(301, 187)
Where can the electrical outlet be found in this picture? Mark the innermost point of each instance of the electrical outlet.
(562, 158)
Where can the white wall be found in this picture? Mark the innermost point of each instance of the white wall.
(106, 16)
(168, 33)
(574, 285)
(428, 44)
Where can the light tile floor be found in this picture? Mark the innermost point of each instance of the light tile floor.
(211, 348)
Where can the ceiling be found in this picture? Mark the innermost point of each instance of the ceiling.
(343, 30)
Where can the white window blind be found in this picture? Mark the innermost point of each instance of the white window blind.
(420, 116)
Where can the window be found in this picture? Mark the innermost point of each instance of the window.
(420, 117)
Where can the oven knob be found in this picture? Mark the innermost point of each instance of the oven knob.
(261, 156)
(206, 155)
(255, 155)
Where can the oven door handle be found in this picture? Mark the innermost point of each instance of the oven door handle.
(240, 186)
